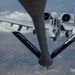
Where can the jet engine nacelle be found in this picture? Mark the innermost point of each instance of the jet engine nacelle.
(47, 16)
(66, 18)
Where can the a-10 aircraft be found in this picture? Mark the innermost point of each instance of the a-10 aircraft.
(66, 23)
(42, 21)
(53, 25)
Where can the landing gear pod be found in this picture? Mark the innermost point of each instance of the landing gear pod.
(67, 34)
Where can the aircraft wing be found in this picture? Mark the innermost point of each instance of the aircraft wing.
(25, 23)
(28, 24)
(67, 26)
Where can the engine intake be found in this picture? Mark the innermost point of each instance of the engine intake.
(47, 16)
(66, 18)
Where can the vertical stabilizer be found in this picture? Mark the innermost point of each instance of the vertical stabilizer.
(74, 15)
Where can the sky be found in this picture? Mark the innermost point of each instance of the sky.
(53, 5)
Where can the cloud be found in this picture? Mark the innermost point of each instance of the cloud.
(18, 16)
(37, 73)
(5, 12)
(72, 70)
(3, 27)
(6, 27)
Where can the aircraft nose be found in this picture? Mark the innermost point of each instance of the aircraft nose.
(53, 36)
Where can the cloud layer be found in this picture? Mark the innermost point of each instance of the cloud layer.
(6, 27)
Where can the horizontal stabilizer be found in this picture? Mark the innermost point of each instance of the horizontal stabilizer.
(62, 28)
(28, 44)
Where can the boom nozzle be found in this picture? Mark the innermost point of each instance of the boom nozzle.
(45, 60)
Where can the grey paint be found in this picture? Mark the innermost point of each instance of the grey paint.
(35, 8)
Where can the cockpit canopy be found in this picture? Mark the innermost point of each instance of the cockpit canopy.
(55, 22)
